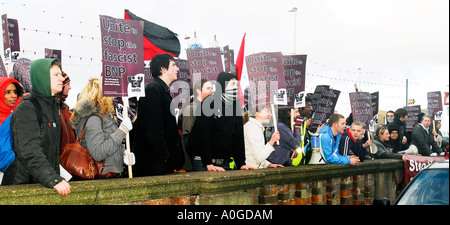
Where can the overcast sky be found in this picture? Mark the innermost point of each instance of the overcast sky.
(390, 40)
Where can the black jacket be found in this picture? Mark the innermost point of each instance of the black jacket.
(422, 140)
(400, 127)
(218, 136)
(37, 148)
(157, 144)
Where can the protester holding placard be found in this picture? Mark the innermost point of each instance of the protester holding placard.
(218, 132)
(157, 143)
(423, 138)
(103, 136)
(289, 140)
(256, 149)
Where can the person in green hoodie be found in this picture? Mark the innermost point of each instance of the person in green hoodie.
(37, 146)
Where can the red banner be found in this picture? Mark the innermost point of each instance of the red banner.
(414, 164)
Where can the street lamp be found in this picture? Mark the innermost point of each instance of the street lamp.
(294, 10)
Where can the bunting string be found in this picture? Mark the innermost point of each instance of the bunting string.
(84, 37)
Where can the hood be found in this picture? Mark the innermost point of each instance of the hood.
(222, 79)
(40, 76)
(347, 132)
(5, 110)
(327, 130)
(86, 108)
(21, 72)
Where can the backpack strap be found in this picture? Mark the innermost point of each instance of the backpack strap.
(37, 106)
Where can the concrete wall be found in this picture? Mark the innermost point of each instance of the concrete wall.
(304, 185)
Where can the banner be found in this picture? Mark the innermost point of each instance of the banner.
(414, 164)
(206, 62)
(294, 67)
(374, 98)
(324, 106)
(317, 95)
(361, 106)
(266, 79)
(53, 54)
(122, 57)
(228, 60)
(413, 116)
(13, 29)
(5, 35)
(434, 106)
(2, 69)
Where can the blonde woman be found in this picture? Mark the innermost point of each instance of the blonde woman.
(103, 136)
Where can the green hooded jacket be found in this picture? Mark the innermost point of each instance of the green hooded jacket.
(40, 75)
(37, 147)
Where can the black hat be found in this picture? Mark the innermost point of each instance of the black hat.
(222, 79)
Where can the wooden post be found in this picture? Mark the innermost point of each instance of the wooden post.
(275, 121)
(128, 151)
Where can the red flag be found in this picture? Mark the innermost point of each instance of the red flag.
(157, 39)
(239, 66)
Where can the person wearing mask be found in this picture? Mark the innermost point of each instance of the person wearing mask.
(12, 93)
(400, 116)
(389, 117)
(218, 133)
(381, 141)
(37, 147)
(256, 149)
(157, 142)
(395, 142)
(103, 136)
(330, 136)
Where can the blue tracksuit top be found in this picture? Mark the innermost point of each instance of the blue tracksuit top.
(330, 147)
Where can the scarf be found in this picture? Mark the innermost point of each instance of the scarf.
(230, 96)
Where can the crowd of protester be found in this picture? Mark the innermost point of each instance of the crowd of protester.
(213, 133)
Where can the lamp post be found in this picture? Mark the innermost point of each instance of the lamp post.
(294, 10)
